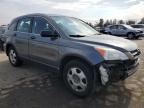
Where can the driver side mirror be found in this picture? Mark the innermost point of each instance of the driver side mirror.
(46, 33)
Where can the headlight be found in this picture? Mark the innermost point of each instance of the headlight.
(111, 54)
(139, 31)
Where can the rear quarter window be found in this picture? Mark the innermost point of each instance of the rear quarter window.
(24, 25)
(113, 27)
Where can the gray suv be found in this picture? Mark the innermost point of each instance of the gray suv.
(86, 59)
(124, 30)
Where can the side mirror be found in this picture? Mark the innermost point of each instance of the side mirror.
(48, 34)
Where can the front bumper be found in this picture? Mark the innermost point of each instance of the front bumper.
(139, 34)
(114, 71)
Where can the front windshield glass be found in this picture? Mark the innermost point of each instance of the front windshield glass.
(74, 27)
(128, 26)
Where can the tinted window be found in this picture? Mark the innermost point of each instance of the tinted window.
(113, 27)
(40, 24)
(121, 27)
(12, 27)
(24, 25)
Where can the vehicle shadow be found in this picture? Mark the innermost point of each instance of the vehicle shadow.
(45, 89)
(135, 39)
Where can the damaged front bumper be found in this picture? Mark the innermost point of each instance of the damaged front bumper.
(114, 71)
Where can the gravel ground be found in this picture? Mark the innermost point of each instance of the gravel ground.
(36, 86)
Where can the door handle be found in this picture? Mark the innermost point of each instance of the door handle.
(33, 37)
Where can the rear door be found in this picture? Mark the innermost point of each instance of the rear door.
(21, 36)
(113, 30)
(43, 49)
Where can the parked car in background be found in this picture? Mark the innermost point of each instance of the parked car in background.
(139, 26)
(124, 30)
(2, 31)
(100, 29)
(106, 29)
(85, 58)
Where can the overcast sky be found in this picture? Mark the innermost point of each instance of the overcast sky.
(84, 9)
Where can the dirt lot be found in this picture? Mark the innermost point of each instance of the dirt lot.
(35, 86)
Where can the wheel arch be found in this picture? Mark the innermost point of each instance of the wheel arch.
(130, 32)
(68, 58)
(8, 46)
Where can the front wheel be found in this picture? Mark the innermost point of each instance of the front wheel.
(131, 35)
(137, 37)
(109, 33)
(13, 57)
(78, 77)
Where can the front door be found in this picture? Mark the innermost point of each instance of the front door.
(121, 30)
(43, 49)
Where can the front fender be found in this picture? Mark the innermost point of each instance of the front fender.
(89, 55)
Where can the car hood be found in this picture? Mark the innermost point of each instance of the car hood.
(141, 29)
(109, 41)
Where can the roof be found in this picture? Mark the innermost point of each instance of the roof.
(41, 14)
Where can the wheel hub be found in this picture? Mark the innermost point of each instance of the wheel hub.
(77, 79)
(12, 56)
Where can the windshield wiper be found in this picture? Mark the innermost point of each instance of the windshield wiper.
(77, 35)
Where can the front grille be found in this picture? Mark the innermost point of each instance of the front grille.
(135, 53)
(130, 63)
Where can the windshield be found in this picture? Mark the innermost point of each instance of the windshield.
(128, 26)
(74, 27)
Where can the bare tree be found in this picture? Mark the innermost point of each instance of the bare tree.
(107, 23)
(130, 22)
(114, 22)
(101, 23)
(121, 22)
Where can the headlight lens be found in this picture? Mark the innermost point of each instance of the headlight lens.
(111, 54)
(139, 31)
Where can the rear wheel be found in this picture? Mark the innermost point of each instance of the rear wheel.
(13, 57)
(78, 77)
(131, 35)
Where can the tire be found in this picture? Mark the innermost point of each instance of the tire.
(78, 78)
(131, 35)
(109, 33)
(14, 58)
(137, 37)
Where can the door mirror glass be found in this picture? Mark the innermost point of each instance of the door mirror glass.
(46, 33)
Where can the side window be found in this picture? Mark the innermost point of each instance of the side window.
(24, 25)
(113, 27)
(40, 24)
(12, 27)
(121, 27)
